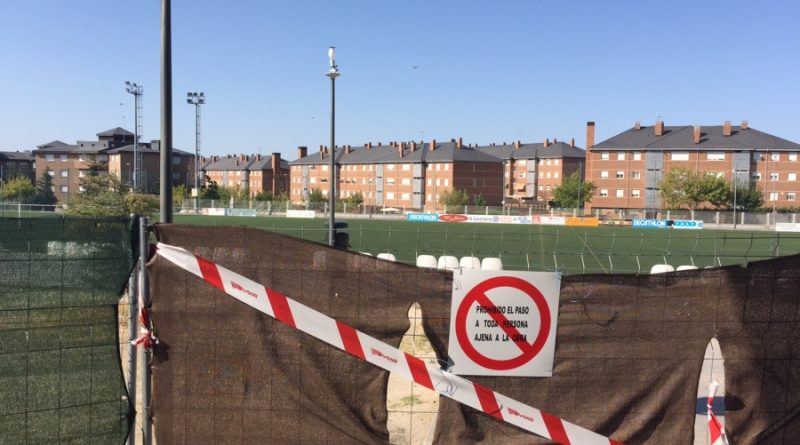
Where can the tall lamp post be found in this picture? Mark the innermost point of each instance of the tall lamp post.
(196, 99)
(735, 186)
(137, 92)
(333, 73)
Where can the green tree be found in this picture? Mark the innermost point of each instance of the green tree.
(748, 197)
(264, 196)
(180, 194)
(715, 190)
(355, 199)
(102, 195)
(19, 189)
(209, 190)
(44, 190)
(681, 187)
(479, 200)
(141, 204)
(316, 195)
(573, 192)
(454, 197)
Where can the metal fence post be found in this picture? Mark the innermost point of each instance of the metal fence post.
(133, 296)
(144, 292)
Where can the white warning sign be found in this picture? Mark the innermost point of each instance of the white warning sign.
(504, 323)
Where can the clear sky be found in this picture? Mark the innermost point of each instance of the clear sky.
(487, 71)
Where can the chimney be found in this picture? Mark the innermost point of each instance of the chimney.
(517, 145)
(589, 135)
(258, 157)
(572, 142)
(380, 144)
(744, 125)
(555, 141)
(302, 152)
(413, 146)
(433, 144)
(696, 134)
(276, 173)
(459, 144)
(637, 125)
(726, 129)
(400, 149)
(659, 128)
(546, 142)
(321, 152)
(347, 149)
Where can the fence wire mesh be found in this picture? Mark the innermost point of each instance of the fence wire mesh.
(60, 374)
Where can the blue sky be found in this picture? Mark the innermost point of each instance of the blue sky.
(485, 71)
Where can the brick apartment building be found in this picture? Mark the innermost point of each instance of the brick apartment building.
(627, 167)
(68, 163)
(255, 174)
(17, 163)
(532, 171)
(404, 175)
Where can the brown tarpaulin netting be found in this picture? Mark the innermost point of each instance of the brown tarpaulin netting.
(628, 354)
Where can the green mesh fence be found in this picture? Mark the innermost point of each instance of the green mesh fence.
(60, 374)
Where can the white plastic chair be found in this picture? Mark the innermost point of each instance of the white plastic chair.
(492, 263)
(661, 268)
(387, 256)
(470, 262)
(428, 261)
(447, 262)
(686, 267)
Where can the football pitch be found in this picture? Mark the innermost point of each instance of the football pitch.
(570, 250)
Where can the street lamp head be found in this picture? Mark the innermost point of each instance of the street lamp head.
(334, 71)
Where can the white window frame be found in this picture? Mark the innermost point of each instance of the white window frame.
(63, 157)
(604, 193)
(791, 177)
(679, 156)
(604, 174)
(65, 173)
(773, 196)
(791, 196)
(620, 193)
(775, 157)
(774, 176)
(620, 156)
(49, 157)
(792, 157)
(637, 155)
(715, 156)
(636, 174)
(635, 193)
(620, 174)
(604, 156)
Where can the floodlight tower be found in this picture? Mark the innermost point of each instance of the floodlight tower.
(137, 92)
(196, 99)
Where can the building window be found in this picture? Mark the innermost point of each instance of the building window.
(51, 173)
(446, 182)
(636, 174)
(406, 167)
(757, 176)
(324, 168)
(521, 175)
(446, 167)
(64, 173)
(620, 193)
(793, 157)
(635, 193)
(715, 156)
(620, 174)
(176, 175)
(547, 175)
(405, 197)
(637, 155)
(791, 177)
(774, 176)
(390, 181)
(603, 193)
(438, 167)
(555, 161)
(176, 160)
(773, 196)
(541, 187)
(555, 175)
(604, 174)
(406, 181)
(541, 174)
(680, 156)
(620, 156)
(312, 180)
(63, 158)
(775, 157)
(430, 182)
(64, 189)
(50, 157)
(81, 173)
(389, 195)
(81, 189)
(758, 157)
(791, 196)
(604, 156)
(547, 162)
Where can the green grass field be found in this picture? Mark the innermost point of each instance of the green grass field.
(571, 250)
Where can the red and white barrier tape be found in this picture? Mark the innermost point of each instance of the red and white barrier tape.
(715, 428)
(372, 350)
(147, 338)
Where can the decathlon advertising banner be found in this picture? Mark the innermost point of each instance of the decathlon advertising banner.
(423, 217)
(503, 323)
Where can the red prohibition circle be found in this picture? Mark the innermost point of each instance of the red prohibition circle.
(529, 350)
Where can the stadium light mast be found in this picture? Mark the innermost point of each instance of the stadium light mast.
(196, 99)
(333, 73)
(136, 91)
